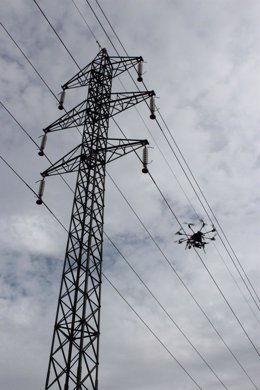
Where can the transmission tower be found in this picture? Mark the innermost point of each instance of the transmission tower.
(74, 356)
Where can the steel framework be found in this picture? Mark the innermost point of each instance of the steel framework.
(74, 356)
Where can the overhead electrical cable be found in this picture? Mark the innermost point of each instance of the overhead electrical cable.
(199, 198)
(169, 316)
(101, 26)
(88, 26)
(30, 188)
(211, 276)
(26, 132)
(41, 76)
(219, 254)
(165, 347)
(183, 171)
(112, 28)
(163, 156)
(246, 276)
(120, 253)
(121, 295)
(35, 143)
(23, 53)
(133, 270)
(137, 275)
(57, 35)
(182, 282)
(207, 269)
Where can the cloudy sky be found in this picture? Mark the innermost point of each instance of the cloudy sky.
(202, 58)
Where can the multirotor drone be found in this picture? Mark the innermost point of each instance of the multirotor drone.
(198, 239)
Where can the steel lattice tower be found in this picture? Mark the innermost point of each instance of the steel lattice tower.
(74, 356)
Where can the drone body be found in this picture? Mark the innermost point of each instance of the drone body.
(198, 239)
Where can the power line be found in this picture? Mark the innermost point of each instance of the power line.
(129, 265)
(167, 260)
(27, 58)
(101, 26)
(140, 279)
(212, 278)
(112, 28)
(230, 273)
(30, 188)
(195, 193)
(184, 169)
(138, 315)
(57, 35)
(182, 282)
(23, 129)
(88, 26)
(202, 194)
(168, 315)
(148, 327)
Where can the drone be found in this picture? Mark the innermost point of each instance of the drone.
(198, 239)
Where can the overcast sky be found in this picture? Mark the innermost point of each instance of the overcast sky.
(202, 58)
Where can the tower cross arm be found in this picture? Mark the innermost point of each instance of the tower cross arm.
(81, 79)
(117, 147)
(125, 100)
(122, 64)
(72, 118)
(68, 163)
(119, 65)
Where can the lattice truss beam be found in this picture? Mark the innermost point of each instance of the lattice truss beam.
(74, 356)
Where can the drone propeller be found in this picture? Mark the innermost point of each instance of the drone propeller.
(181, 240)
(203, 224)
(189, 225)
(211, 231)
